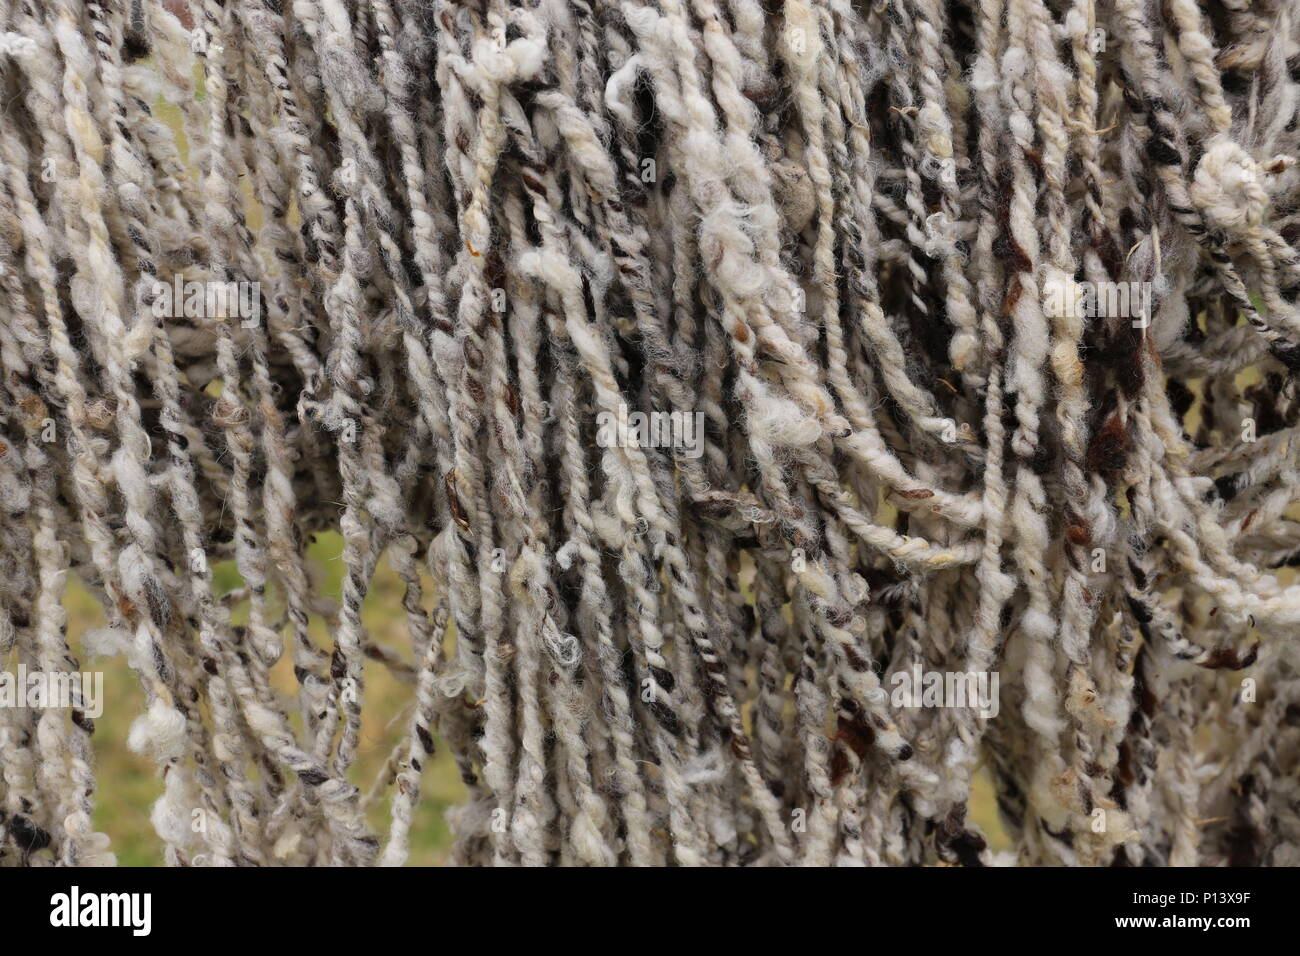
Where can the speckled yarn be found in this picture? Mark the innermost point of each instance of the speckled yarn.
(708, 371)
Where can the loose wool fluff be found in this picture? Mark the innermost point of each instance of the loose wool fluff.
(872, 248)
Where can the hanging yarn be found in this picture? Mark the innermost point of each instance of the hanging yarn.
(777, 412)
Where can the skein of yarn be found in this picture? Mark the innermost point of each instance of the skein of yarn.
(776, 411)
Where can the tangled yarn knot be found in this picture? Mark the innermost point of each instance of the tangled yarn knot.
(1228, 187)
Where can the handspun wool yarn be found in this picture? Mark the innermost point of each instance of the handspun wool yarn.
(839, 232)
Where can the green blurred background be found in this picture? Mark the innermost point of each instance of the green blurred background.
(129, 783)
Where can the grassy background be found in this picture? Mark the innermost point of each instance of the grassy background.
(129, 783)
